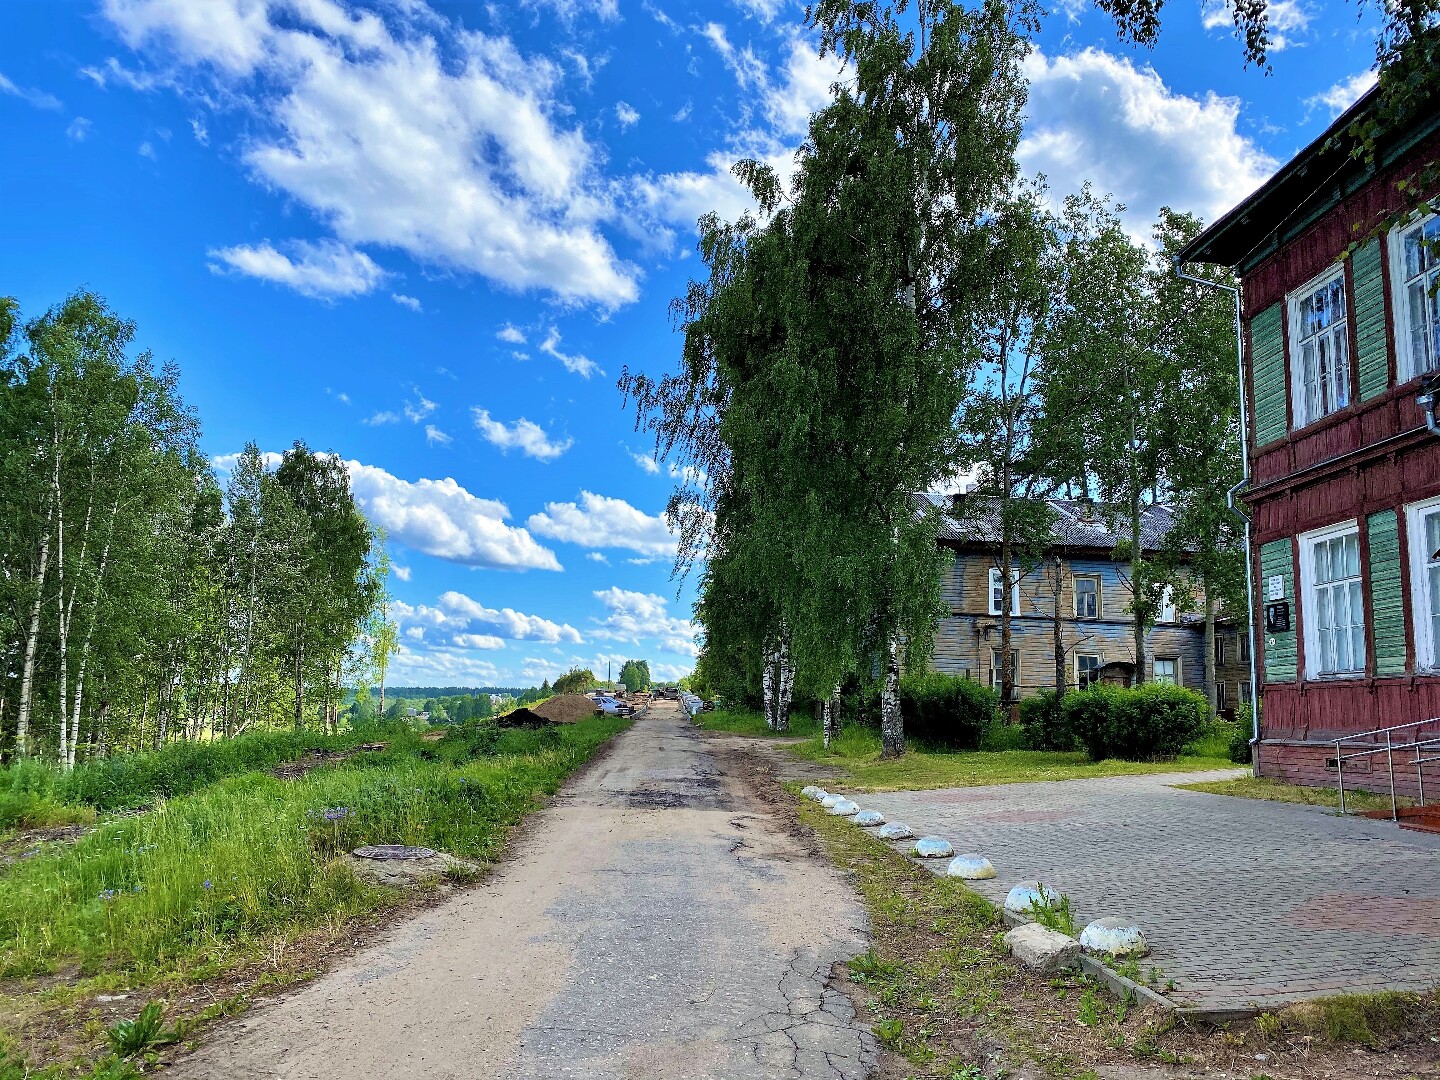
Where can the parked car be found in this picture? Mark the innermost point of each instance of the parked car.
(612, 706)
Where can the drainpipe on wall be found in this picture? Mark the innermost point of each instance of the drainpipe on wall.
(1230, 499)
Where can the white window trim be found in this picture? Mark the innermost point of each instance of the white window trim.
(1099, 597)
(1427, 650)
(1179, 671)
(995, 681)
(1292, 326)
(1167, 612)
(1098, 656)
(1405, 368)
(993, 584)
(1306, 541)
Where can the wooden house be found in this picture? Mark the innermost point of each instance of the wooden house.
(1096, 631)
(1341, 345)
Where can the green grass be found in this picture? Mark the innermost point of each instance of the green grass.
(205, 878)
(857, 752)
(746, 722)
(1367, 1019)
(131, 781)
(1258, 787)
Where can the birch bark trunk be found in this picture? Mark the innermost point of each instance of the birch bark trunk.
(892, 728)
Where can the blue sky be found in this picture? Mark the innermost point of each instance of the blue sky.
(429, 237)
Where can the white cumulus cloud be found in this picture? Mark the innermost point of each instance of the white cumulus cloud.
(1095, 116)
(1344, 93)
(407, 131)
(598, 521)
(524, 435)
(455, 613)
(443, 519)
(580, 365)
(324, 269)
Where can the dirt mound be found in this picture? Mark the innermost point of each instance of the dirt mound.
(566, 709)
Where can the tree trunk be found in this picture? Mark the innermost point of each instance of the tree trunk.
(1138, 602)
(1007, 670)
(1210, 694)
(1057, 627)
(299, 681)
(831, 715)
(32, 640)
(892, 725)
(785, 689)
(768, 687)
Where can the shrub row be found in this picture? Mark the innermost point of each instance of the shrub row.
(1140, 724)
(946, 711)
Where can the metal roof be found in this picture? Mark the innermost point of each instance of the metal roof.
(1078, 524)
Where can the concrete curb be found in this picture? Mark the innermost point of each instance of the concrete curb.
(1112, 980)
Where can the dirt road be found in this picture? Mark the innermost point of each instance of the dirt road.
(656, 923)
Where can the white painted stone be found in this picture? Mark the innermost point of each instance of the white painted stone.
(1042, 949)
(844, 808)
(933, 847)
(869, 818)
(970, 867)
(1029, 893)
(895, 830)
(810, 791)
(827, 801)
(1115, 938)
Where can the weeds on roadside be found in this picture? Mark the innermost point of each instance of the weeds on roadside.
(130, 1037)
(1053, 914)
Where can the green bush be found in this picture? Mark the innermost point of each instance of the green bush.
(1240, 741)
(1141, 724)
(1042, 716)
(945, 711)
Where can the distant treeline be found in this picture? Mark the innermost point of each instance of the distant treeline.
(447, 691)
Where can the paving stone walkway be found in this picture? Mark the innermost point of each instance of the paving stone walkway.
(1244, 902)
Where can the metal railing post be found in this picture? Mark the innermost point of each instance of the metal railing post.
(1340, 773)
(1390, 763)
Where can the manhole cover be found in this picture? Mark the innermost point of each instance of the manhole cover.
(390, 852)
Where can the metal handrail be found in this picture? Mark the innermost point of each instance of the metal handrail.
(1420, 761)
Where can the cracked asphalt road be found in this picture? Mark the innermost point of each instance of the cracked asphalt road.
(655, 923)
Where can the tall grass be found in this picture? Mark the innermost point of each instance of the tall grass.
(129, 781)
(210, 874)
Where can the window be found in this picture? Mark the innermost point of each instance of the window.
(1334, 613)
(1219, 648)
(1414, 271)
(1244, 637)
(1087, 597)
(1222, 698)
(1245, 693)
(1167, 670)
(1087, 668)
(1319, 349)
(1167, 606)
(997, 592)
(1423, 525)
(996, 676)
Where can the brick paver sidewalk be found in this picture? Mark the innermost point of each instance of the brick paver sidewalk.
(1244, 902)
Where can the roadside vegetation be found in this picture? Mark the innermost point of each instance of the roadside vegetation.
(1259, 787)
(959, 737)
(245, 873)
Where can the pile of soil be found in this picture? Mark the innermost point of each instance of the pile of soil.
(522, 717)
(566, 709)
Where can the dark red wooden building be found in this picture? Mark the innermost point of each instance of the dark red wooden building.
(1341, 346)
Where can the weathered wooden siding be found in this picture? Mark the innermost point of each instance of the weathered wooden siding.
(1387, 601)
(1267, 371)
(962, 644)
(1280, 650)
(1372, 350)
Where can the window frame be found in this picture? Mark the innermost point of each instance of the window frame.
(995, 683)
(1167, 613)
(1427, 649)
(1299, 413)
(1222, 696)
(1155, 676)
(1099, 597)
(994, 586)
(1405, 368)
(1099, 659)
(1306, 543)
